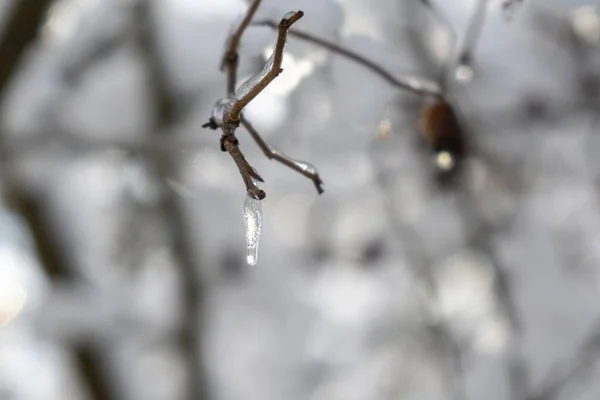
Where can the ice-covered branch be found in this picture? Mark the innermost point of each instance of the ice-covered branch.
(227, 113)
(251, 88)
(302, 167)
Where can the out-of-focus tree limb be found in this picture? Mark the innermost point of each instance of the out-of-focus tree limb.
(22, 28)
(24, 23)
(568, 371)
(172, 208)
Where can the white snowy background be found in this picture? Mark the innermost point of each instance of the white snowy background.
(384, 287)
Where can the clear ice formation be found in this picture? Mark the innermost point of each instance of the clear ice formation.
(253, 224)
(303, 165)
(221, 107)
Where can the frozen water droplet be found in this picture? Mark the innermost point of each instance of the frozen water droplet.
(251, 83)
(303, 165)
(306, 167)
(464, 74)
(253, 224)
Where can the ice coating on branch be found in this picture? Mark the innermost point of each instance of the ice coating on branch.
(289, 14)
(253, 223)
(247, 86)
(306, 167)
(303, 165)
(221, 107)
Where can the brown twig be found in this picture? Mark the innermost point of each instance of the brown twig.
(227, 113)
(415, 85)
(249, 174)
(509, 6)
(301, 167)
(253, 87)
(231, 57)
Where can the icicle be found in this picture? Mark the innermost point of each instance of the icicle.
(253, 223)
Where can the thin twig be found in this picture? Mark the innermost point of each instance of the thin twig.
(246, 97)
(415, 85)
(249, 174)
(231, 57)
(302, 168)
(230, 110)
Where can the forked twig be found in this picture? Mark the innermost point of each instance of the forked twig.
(226, 112)
(251, 88)
(273, 154)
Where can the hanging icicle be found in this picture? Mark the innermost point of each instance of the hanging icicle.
(253, 223)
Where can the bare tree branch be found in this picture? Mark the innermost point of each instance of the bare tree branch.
(23, 26)
(227, 113)
(249, 174)
(231, 57)
(301, 167)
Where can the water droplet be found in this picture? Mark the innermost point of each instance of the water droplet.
(303, 165)
(464, 74)
(253, 224)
